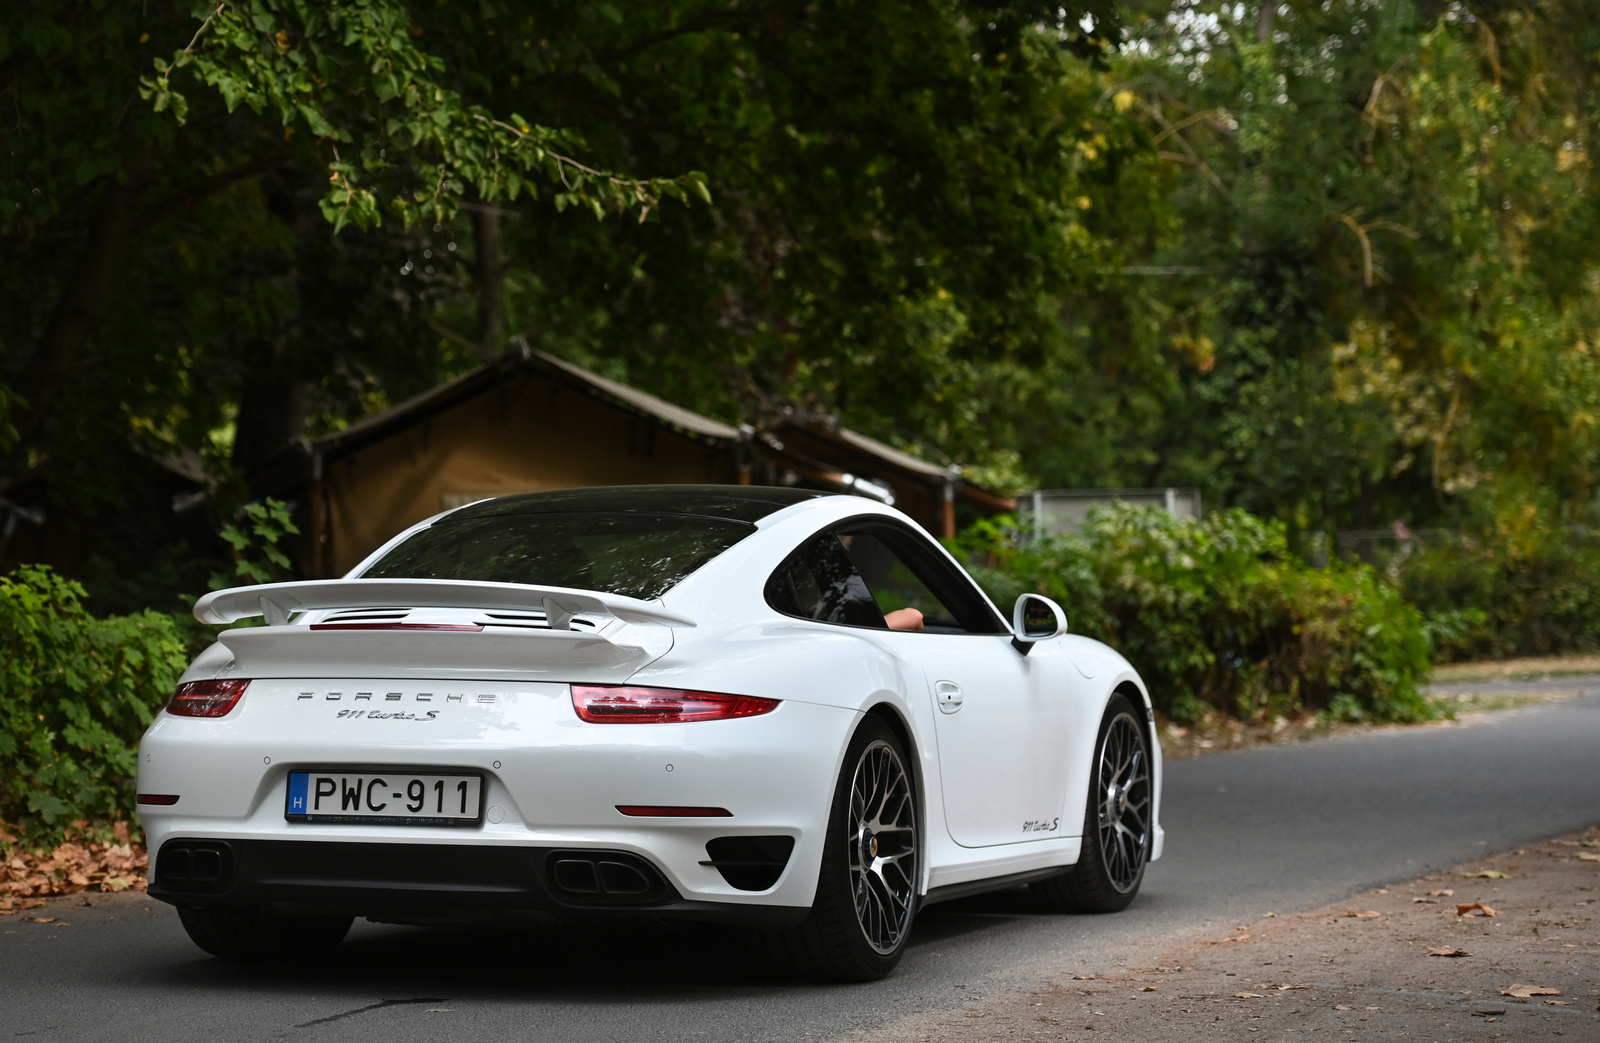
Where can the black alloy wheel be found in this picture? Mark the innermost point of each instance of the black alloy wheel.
(867, 889)
(1117, 825)
(882, 839)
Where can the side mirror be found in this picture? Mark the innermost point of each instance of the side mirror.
(1035, 618)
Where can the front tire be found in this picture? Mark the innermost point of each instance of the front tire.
(871, 864)
(1117, 824)
(256, 934)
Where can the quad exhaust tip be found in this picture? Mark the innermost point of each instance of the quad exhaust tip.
(605, 878)
(195, 866)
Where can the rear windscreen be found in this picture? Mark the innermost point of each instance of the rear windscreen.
(639, 555)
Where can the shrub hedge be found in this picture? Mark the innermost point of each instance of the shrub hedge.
(76, 693)
(1218, 614)
(1534, 594)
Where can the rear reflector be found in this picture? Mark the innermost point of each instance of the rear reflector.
(206, 698)
(672, 811)
(158, 798)
(626, 704)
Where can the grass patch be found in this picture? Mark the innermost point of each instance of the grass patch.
(1530, 669)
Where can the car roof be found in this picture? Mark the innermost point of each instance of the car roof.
(746, 503)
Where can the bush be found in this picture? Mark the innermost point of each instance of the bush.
(1218, 614)
(76, 693)
(1534, 595)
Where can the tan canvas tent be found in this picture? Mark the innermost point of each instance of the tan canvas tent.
(529, 421)
(525, 422)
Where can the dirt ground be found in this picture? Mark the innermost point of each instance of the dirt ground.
(1425, 960)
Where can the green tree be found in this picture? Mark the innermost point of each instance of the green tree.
(1367, 280)
(230, 225)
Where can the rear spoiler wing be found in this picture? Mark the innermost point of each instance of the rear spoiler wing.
(278, 601)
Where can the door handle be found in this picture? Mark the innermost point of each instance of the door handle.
(948, 695)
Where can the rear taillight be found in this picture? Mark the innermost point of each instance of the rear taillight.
(206, 698)
(625, 704)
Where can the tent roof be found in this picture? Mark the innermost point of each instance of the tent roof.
(491, 375)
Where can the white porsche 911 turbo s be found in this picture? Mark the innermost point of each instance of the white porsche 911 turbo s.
(763, 707)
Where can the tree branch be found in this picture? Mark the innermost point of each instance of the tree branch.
(704, 23)
(160, 211)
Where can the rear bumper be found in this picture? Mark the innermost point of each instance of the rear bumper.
(431, 883)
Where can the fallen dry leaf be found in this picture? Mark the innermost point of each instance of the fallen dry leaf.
(1523, 992)
(1488, 874)
(1247, 995)
(1585, 856)
(1288, 985)
(39, 919)
(1445, 950)
(1559, 1003)
(74, 867)
(1475, 909)
(1148, 988)
(1429, 901)
(1566, 843)
(1365, 915)
(1446, 892)
(1341, 1006)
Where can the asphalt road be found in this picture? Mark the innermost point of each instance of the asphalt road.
(1268, 829)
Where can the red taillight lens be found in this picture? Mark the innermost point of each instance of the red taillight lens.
(624, 704)
(206, 698)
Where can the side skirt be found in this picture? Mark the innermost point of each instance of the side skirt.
(950, 892)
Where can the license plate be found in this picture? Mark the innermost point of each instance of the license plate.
(384, 798)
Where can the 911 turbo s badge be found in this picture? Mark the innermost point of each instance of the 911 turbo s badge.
(376, 715)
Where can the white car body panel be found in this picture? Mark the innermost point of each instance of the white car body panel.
(1003, 781)
(545, 794)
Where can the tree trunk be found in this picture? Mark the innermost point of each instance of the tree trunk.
(273, 407)
(491, 279)
(75, 314)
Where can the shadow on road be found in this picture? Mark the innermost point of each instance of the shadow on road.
(624, 963)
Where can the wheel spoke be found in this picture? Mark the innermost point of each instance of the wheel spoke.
(1124, 798)
(882, 838)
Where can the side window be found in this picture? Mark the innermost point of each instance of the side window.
(910, 578)
(906, 601)
(820, 582)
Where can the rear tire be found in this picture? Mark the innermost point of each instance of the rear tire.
(1117, 825)
(235, 933)
(871, 864)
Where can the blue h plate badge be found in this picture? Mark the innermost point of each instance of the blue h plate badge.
(298, 783)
